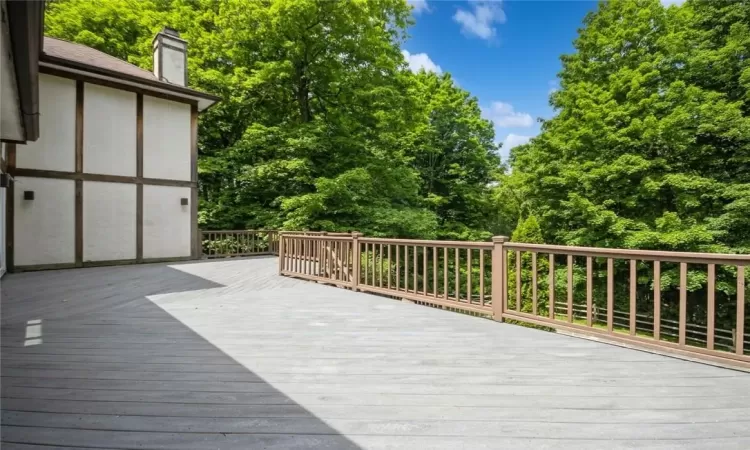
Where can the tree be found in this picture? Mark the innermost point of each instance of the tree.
(454, 152)
(651, 144)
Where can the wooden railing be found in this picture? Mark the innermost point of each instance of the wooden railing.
(235, 243)
(665, 301)
(667, 307)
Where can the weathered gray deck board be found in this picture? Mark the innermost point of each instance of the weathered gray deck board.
(226, 354)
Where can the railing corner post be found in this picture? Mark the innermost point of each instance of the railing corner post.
(498, 277)
(281, 252)
(356, 259)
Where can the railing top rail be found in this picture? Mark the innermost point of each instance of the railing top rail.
(318, 237)
(453, 244)
(622, 253)
(239, 231)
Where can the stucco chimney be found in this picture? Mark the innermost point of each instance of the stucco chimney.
(170, 57)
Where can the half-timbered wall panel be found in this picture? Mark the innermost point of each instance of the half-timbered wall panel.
(166, 139)
(109, 131)
(45, 226)
(55, 148)
(109, 221)
(166, 222)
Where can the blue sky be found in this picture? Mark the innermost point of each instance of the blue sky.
(507, 54)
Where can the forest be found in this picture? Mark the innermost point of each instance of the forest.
(322, 126)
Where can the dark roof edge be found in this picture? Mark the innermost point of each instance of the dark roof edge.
(133, 79)
(26, 26)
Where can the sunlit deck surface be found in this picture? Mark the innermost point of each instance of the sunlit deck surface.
(228, 355)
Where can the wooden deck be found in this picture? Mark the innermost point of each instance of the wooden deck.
(228, 355)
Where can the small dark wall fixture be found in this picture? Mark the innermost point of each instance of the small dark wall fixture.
(183, 201)
(28, 195)
(5, 180)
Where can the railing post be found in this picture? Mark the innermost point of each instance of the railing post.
(356, 260)
(498, 277)
(281, 252)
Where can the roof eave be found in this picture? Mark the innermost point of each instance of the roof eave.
(205, 100)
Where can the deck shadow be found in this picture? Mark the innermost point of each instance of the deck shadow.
(105, 367)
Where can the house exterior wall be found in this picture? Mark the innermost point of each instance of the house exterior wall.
(55, 148)
(108, 174)
(44, 227)
(109, 131)
(166, 139)
(109, 221)
(166, 223)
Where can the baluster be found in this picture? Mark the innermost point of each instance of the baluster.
(424, 271)
(468, 276)
(683, 303)
(633, 308)
(389, 266)
(434, 272)
(416, 269)
(458, 275)
(589, 290)
(534, 287)
(551, 286)
(398, 267)
(445, 273)
(481, 276)
(518, 281)
(610, 295)
(657, 299)
(570, 288)
(739, 342)
(711, 316)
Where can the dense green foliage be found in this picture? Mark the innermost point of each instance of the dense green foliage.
(651, 144)
(322, 125)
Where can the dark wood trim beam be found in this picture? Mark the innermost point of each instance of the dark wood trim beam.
(195, 250)
(79, 170)
(10, 200)
(114, 85)
(139, 176)
(37, 173)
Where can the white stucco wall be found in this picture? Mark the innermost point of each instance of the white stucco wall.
(44, 230)
(166, 139)
(55, 148)
(109, 221)
(166, 223)
(109, 131)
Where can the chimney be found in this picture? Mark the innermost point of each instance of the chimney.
(170, 57)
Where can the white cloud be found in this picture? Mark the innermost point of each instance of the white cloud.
(419, 61)
(672, 2)
(480, 20)
(419, 6)
(514, 140)
(505, 116)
